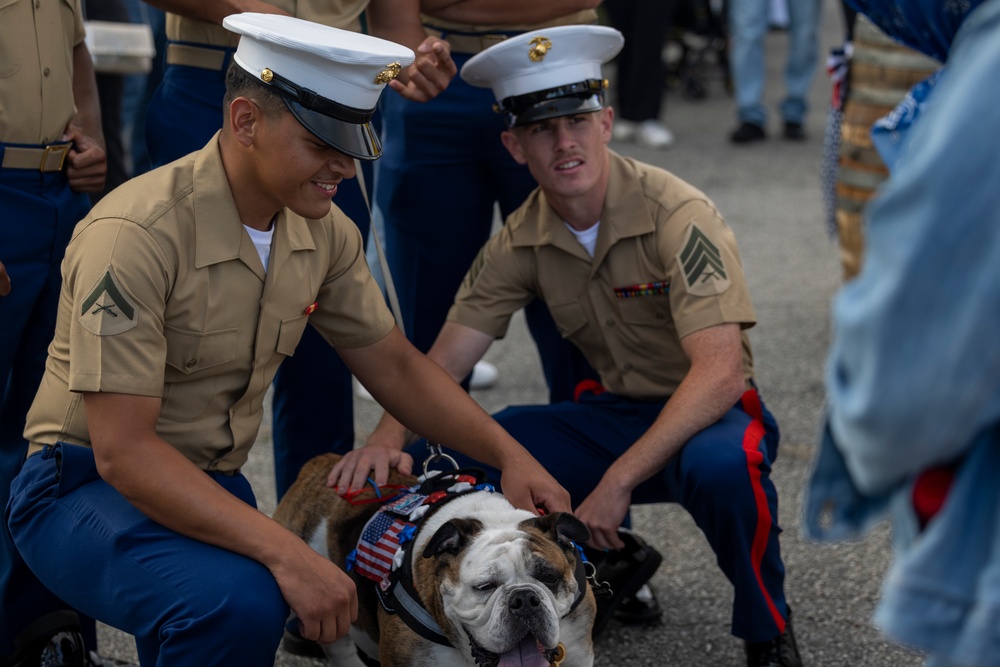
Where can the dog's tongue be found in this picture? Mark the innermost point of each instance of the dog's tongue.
(525, 654)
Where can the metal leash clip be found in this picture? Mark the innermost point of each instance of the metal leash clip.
(437, 454)
(601, 588)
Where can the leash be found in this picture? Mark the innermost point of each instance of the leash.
(390, 286)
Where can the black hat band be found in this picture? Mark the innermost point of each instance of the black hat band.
(315, 102)
(580, 97)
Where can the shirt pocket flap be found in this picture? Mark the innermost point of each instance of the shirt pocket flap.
(646, 311)
(290, 333)
(569, 317)
(190, 352)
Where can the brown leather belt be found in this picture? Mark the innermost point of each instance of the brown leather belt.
(467, 42)
(45, 159)
(196, 56)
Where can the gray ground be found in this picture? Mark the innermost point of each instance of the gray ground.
(770, 195)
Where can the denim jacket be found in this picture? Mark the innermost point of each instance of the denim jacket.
(913, 375)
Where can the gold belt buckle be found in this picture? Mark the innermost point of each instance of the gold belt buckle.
(57, 153)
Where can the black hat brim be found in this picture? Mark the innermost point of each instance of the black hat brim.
(554, 108)
(358, 140)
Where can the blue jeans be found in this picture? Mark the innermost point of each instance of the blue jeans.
(186, 602)
(748, 26)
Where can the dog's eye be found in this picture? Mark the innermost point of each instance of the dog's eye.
(487, 586)
(548, 577)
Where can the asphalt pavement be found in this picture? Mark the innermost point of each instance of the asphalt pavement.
(770, 195)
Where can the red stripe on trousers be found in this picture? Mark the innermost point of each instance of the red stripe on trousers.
(751, 445)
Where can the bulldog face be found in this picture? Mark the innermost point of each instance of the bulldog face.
(505, 587)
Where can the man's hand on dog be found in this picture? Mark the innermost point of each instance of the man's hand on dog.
(527, 485)
(323, 596)
(603, 511)
(352, 471)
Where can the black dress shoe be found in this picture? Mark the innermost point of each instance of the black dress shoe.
(625, 570)
(53, 640)
(748, 132)
(779, 652)
(640, 609)
(794, 131)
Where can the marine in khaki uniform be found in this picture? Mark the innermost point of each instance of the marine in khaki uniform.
(641, 274)
(183, 291)
(454, 139)
(51, 155)
(186, 111)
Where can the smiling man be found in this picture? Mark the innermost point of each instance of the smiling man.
(641, 273)
(183, 291)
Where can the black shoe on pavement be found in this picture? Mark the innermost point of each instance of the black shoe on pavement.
(64, 649)
(641, 608)
(625, 570)
(794, 131)
(54, 640)
(779, 652)
(748, 132)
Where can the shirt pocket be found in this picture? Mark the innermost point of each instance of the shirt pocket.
(12, 24)
(646, 311)
(195, 361)
(290, 333)
(569, 317)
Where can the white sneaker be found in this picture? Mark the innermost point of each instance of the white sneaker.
(484, 376)
(653, 134)
(623, 130)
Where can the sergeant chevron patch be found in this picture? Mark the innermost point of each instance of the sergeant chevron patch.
(702, 265)
(108, 309)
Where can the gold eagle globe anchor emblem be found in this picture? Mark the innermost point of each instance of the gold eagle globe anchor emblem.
(390, 72)
(539, 47)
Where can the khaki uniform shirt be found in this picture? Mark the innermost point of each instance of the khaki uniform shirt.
(665, 265)
(164, 295)
(344, 14)
(37, 38)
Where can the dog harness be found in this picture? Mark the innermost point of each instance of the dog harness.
(382, 550)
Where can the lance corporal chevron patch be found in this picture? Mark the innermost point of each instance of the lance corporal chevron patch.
(702, 265)
(108, 309)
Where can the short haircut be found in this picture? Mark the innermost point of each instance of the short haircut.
(239, 83)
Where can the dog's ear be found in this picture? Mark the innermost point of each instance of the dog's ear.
(452, 537)
(564, 527)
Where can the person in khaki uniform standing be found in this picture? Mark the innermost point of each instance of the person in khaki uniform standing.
(51, 155)
(183, 291)
(642, 275)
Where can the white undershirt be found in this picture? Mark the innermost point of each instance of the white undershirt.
(587, 238)
(262, 242)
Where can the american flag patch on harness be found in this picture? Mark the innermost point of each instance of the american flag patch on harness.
(379, 544)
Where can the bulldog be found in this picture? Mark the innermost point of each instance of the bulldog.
(475, 582)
